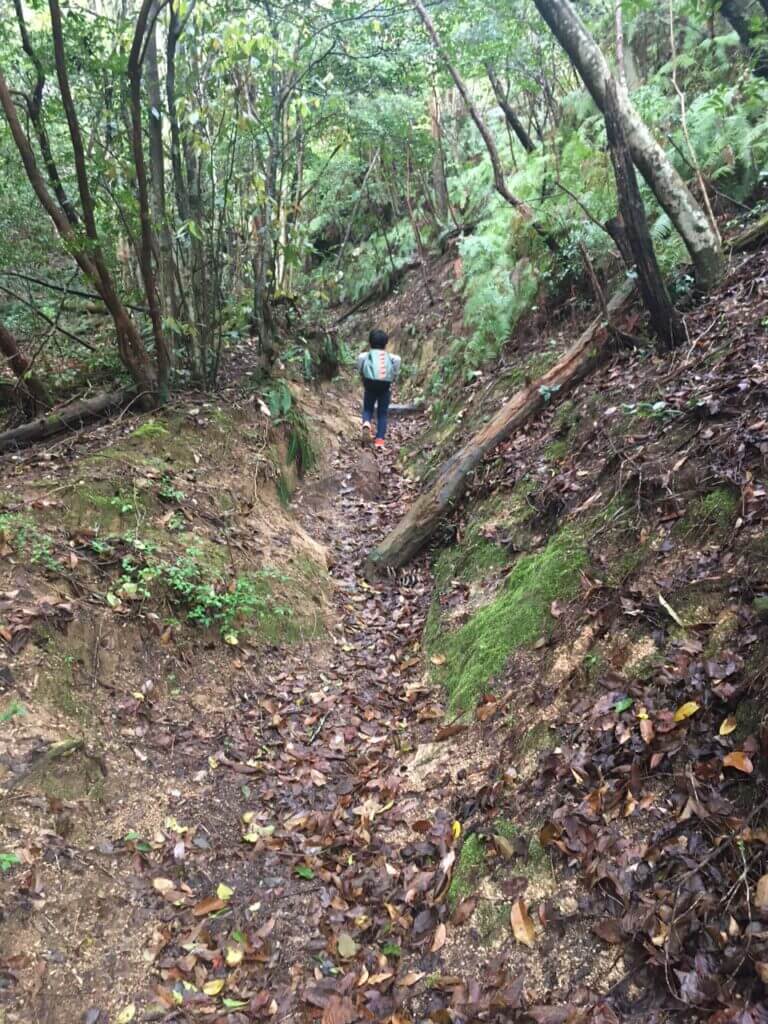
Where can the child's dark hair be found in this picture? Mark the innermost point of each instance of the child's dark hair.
(378, 339)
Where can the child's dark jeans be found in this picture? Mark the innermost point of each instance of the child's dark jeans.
(376, 396)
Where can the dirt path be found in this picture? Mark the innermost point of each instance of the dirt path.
(280, 876)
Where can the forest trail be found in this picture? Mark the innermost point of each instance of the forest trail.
(288, 869)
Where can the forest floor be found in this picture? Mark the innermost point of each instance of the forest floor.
(304, 822)
(225, 833)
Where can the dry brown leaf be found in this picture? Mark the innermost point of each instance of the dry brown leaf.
(208, 906)
(441, 933)
(411, 978)
(522, 925)
(646, 730)
(340, 1010)
(739, 760)
(761, 893)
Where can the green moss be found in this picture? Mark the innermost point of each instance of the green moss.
(516, 617)
(711, 514)
(150, 429)
(556, 451)
(468, 870)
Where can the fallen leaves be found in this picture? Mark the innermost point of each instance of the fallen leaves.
(522, 925)
(686, 710)
(346, 946)
(740, 761)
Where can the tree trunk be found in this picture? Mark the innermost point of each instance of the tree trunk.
(669, 188)
(157, 174)
(498, 171)
(418, 525)
(148, 243)
(130, 346)
(665, 319)
(513, 120)
(70, 416)
(736, 19)
(439, 183)
(32, 391)
(34, 109)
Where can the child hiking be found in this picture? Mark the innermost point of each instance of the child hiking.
(378, 370)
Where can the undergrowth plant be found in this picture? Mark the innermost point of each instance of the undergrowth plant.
(285, 412)
(207, 597)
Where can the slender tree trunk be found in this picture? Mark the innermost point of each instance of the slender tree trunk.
(669, 188)
(498, 171)
(439, 183)
(35, 111)
(618, 21)
(148, 243)
(665, 319)
(157, 174)
(130, 346)
(32, 390)
(513, 120)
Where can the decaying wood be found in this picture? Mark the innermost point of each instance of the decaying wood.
(752, 237)
(414, 409)
(417, 526)
(70, 416)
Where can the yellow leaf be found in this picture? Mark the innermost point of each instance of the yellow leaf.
(212, 988)
(686, 710)
(126, 1014)
(522, 925)
(224, 892)
(642, 713)
(234, 956)
(456, 829)
(249, 816)
(728, 725)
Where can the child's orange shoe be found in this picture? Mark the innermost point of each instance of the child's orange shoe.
(379, 442)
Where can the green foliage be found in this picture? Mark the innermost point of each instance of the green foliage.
(468, 870)
(206, 596)
(285, 412)
(14, 709)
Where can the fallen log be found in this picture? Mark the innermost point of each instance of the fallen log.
(62, 419)
(414, 409)
(417, 526)
(752, 237)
